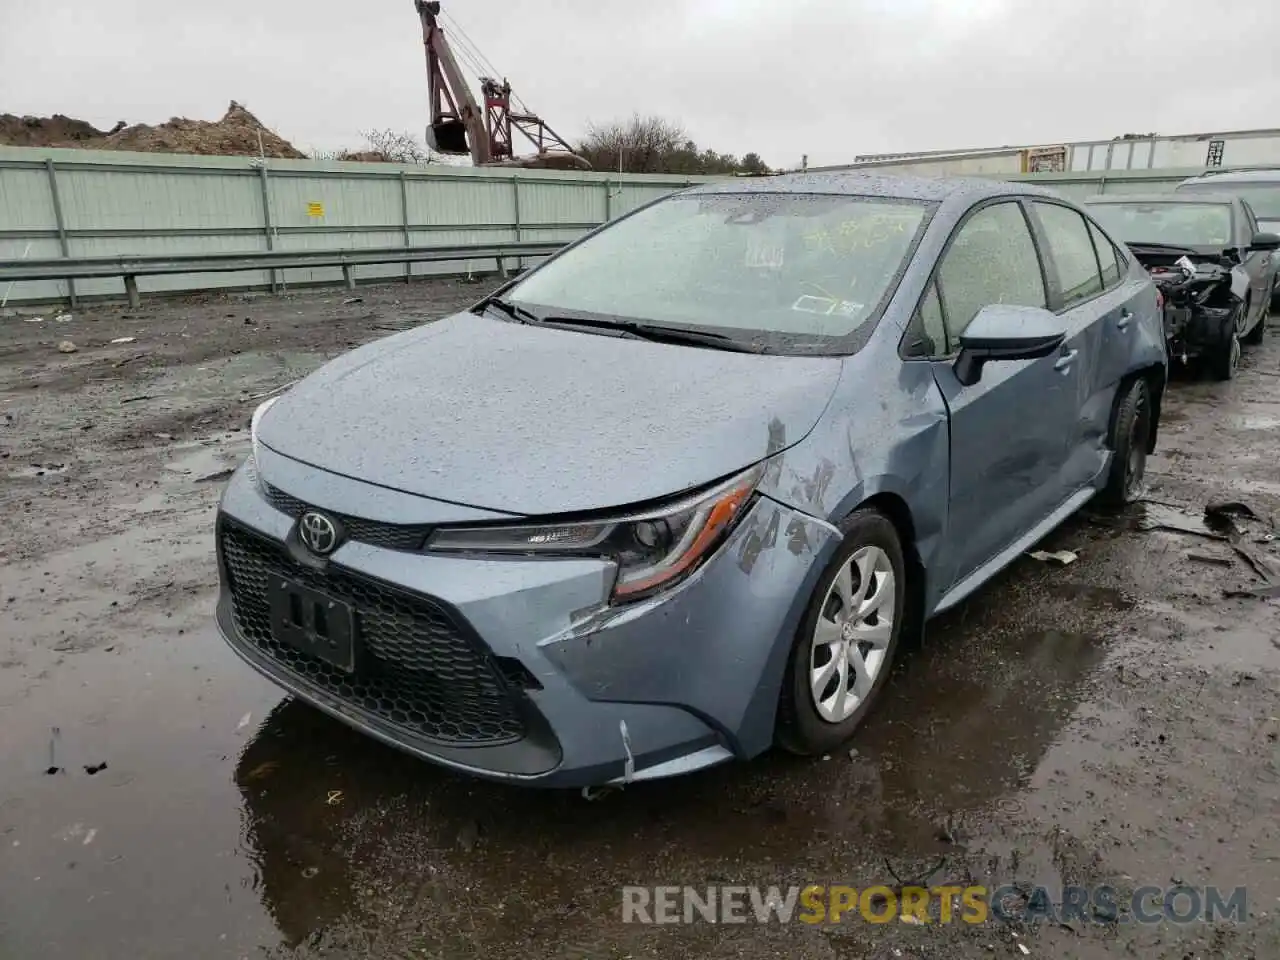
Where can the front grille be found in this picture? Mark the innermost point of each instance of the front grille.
(418, 670)
(390, 536)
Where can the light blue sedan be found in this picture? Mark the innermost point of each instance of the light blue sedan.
(681, 492)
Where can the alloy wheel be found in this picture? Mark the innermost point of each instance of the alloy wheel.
(851, 639)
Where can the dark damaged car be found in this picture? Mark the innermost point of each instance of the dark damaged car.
(1213, 266)
(680, 492)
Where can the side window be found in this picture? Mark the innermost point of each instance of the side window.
(1072, 252)
(1250, 222)
(1108, 256)
(992, 259)
(926, 333)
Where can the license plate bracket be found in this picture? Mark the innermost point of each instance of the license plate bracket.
(313, 621)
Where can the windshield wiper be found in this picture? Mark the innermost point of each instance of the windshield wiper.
(1182, 248)
(655, 333)
(518, 314)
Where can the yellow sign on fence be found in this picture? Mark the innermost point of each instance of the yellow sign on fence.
(315, 209)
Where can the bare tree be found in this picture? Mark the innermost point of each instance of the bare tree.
(638, 145)
(387, 146)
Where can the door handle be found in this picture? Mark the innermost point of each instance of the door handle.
(1063, 363)
(1125, 319)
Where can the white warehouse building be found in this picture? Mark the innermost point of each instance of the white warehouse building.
(1239, 148)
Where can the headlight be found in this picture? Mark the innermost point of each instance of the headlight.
(253, 426)
(653, 549)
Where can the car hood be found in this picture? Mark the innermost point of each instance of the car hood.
(530, 420)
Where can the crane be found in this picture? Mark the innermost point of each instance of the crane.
(459, 128)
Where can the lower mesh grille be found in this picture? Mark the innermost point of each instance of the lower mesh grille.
(419, 671)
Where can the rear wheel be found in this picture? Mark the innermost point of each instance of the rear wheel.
(1130, 439)
(843, 652)
(1259, 331)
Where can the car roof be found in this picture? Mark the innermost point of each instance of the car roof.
(859, 183)
(1198, 197)
(1237, 176)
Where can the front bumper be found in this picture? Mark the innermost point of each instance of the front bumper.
(517, 669)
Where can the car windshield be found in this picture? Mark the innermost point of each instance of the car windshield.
(1264, 198)
(787, 272)
(1183, 224)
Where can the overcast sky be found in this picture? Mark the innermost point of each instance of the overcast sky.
(827, 78)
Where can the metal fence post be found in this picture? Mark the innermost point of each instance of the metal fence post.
(608, 200)
(266, 219)
(515, 209)
(61, 224)
(404, 222)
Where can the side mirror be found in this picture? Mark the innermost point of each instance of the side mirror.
(1265, 241)
(1003, 331)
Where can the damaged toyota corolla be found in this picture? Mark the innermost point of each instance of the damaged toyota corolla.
(680, 492)
(1215, 270)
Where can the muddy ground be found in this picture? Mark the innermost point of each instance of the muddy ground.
(1113, 721)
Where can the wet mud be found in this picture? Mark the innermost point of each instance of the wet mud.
(1113, 721)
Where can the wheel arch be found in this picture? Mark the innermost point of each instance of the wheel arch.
(894, 507)
(1156, 376)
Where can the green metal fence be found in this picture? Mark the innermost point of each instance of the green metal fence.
(73, 203)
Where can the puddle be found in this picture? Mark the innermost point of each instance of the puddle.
(1258, 421)
(38, 470)
(208, 461)
(159, 825)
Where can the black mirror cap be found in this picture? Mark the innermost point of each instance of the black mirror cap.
(1265, 241)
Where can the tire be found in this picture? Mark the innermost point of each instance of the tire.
(871, 544)
(1224, 361)
(1259, 332)
(1130, 436)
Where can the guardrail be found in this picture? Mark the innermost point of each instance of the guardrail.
(131, 267)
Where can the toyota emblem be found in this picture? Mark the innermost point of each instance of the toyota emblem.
(318, 533)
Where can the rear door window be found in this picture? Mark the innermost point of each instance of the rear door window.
(1108, 257)
(1072, 250)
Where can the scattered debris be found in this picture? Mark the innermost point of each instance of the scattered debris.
(94, 768)
(309, 872)
(125, 340)
(264, 769)
(1061, 558)
(55, 734)
(1259, 563)
(33, 319)
(141, 396)
(63, 318)
(1214, 558)
(351, 300)
(128, 360)
(215, 477)
(334, 798)
(263, 396)
(244, 721)
(66, 346)
(1258, 593)
(88, 837)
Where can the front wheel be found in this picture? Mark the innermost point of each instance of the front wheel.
(1130, 439)
(1224, 361)
(843, 652)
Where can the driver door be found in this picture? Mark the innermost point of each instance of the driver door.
(1258, 265)
(1012, 432)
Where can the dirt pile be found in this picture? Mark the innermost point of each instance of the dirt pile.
(238, 134)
